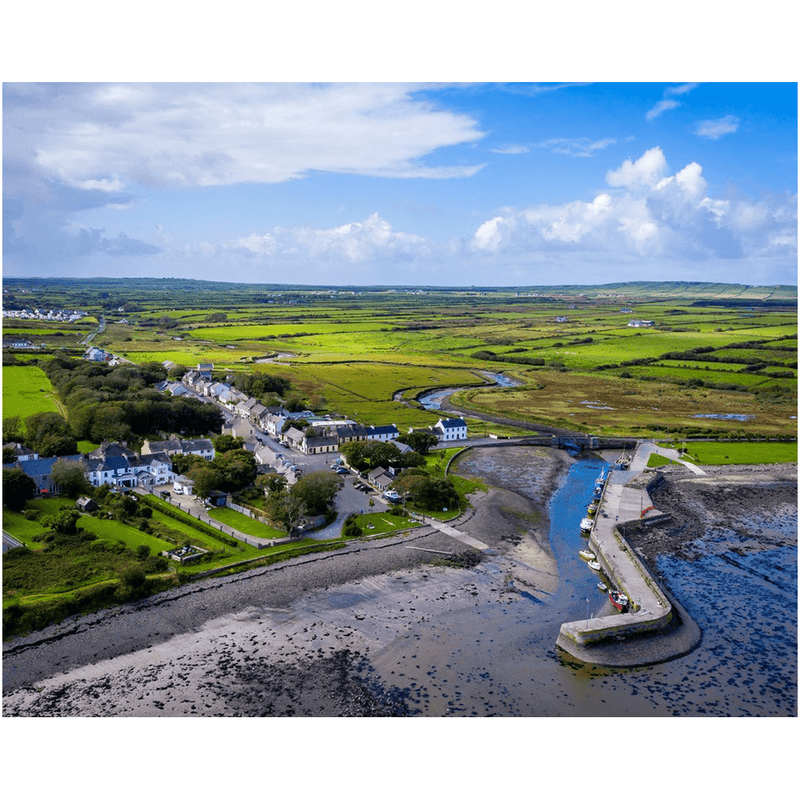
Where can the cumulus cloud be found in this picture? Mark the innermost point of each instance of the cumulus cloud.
(714, 128)
(645, 171)
(682, 89)
(650, 213)
(372, 239)
(581, 148)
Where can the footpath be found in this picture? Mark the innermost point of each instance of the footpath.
(655, 628)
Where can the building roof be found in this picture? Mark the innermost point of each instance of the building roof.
(38, 467)
(379, 429)
(452, 423)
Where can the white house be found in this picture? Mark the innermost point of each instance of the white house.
(115, 464)
(382, 433)
(449, 430)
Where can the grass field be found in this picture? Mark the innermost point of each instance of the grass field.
(27, 391)
(244, 524)
(742, 452)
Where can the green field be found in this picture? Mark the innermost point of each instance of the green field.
(26, 391)
(351, 352)
(244, 524)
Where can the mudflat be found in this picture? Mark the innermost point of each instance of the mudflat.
(382, 628)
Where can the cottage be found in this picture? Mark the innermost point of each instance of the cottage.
(115, 464)
(382, 433)
(40, 468)
(86, 504)
(450, 429)
(174, 446)
(380, 479)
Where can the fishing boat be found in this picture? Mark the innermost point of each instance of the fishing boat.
(586, 524)
(591, 510)
(618, 600)
(601, 480)
(595, 565)
(598, 491)
(602, 587)
(586, 555)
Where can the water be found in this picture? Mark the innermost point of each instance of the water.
(432, 401)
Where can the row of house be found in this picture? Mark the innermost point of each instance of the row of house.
(115, 464)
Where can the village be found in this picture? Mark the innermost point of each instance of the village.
(277, 438)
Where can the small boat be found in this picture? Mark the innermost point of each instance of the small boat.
(586, 555)
(601, 480)
(586, 524)
(591, 510)
(618, 600)
(595, 565)
(602, 587)
(598, 491)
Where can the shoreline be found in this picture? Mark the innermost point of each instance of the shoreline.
(376, 629)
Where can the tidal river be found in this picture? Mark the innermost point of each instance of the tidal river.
(746, 605)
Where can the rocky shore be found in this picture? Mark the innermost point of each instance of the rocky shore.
(392, 627)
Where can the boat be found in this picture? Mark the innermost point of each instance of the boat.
(618, 600)
(601, 480)
(595, 565)
(591, 510)
(586, 524)
(598, 491)
(602, 587)
(586, 555)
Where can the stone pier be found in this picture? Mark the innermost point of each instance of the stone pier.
(623, 502)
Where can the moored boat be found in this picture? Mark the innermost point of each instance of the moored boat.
(591, 509)
(586, 555)
(602, 587)
(595, 565)
(618, 600)
(586, 524)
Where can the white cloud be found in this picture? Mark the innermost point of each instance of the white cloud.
(660, 107)
(682, 89)
(510, 150)
(581, 148)
(652, 214)
(370, 240)
(222, 134)
(714, 128)
(645, 171)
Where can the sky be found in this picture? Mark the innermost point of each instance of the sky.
(368, 183)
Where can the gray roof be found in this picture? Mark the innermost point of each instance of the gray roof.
(43, 466)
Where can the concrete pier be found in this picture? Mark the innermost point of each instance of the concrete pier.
(623, 502)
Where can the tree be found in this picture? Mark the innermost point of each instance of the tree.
(316, 491)
(49, 434)
(226, 442)
(18, 488)
(206, 480)
(69, 475)
(236, 469)
(284, 509)
(65, 523)
(12, 430)
(420, 441)
(271, 483)
(351, 526)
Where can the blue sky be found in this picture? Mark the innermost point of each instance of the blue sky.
(495, 184)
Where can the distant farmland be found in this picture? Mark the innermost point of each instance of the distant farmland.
(26, 391)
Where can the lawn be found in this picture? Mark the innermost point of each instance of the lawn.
(245, 524)
(742, 452)
(26, 391)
